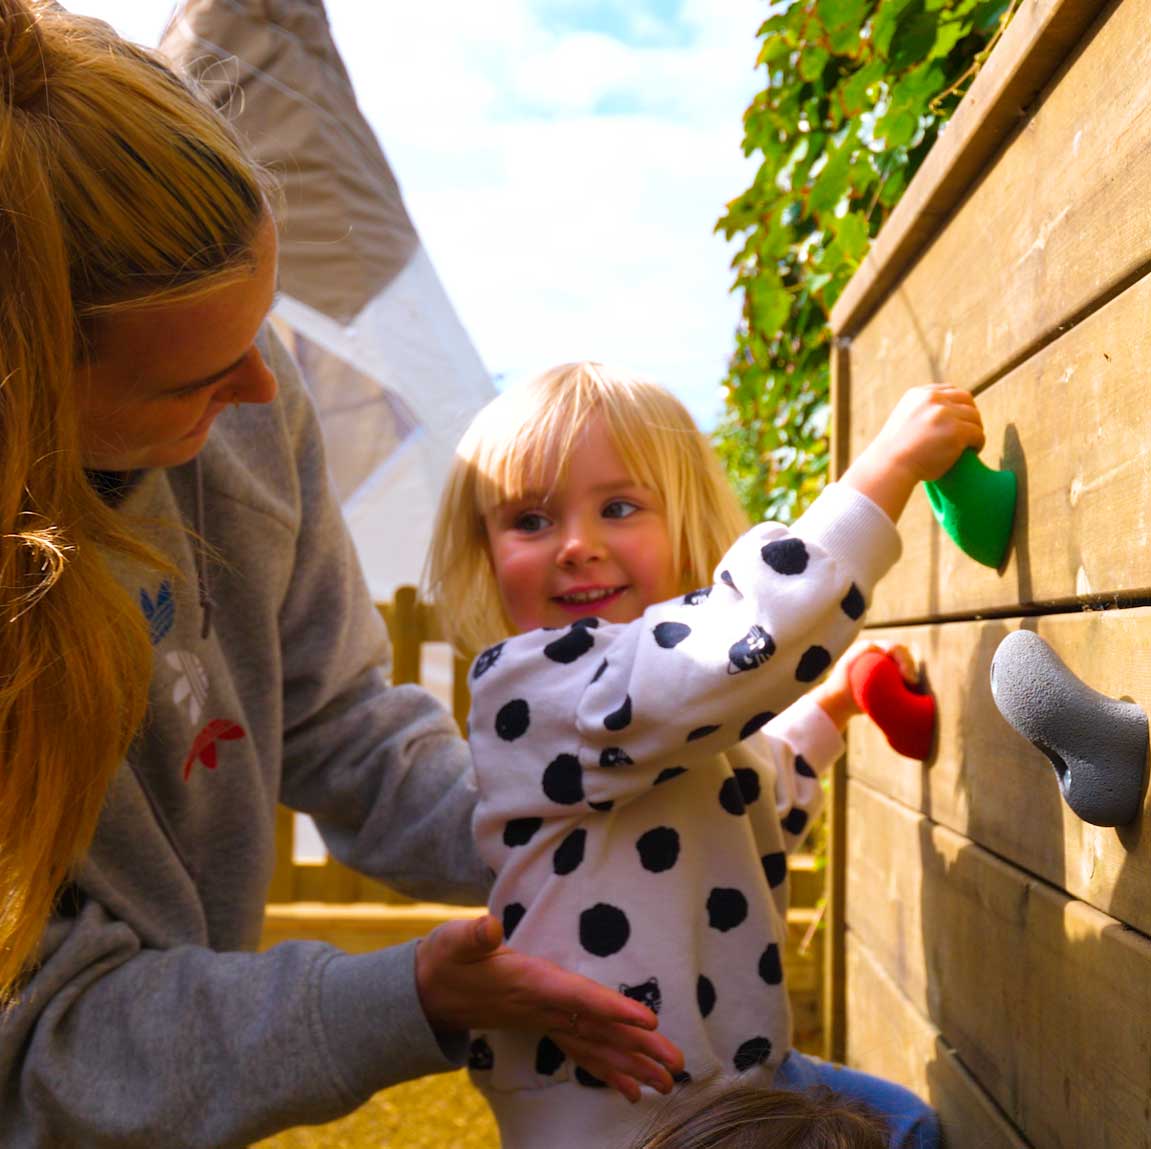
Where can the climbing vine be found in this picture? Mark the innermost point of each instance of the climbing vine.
(856, 93)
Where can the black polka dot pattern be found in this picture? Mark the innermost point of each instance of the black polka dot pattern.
(775, 868)
(513, 720)
(611, 756)
(682, 1077)
(520, 831)
(725, 577)
(511, 917)
(726, 909)
(754, 723)
(585, 1078)
(668, 774)
(486, 660)
(480, 1055)
(619, 719)
(646, 993)
(563, 780)
(802, 766)
(695, 597)
(603, 930)
(575, 644)
(701, 732)
(549, 1057)
(602, 807)
(752, 1053)
(796, 821)
(599, 671)
(786, 556)
(658, 849)
(704, 995)
(569, 853)
(853, 604)
(748, 781)
(588, 623)
(670, 634)
(753, 650)
(813, 662)
(730, 797)
(770, 967)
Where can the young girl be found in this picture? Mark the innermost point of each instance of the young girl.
(638, 792)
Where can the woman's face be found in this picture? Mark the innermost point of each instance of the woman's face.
(158, 376)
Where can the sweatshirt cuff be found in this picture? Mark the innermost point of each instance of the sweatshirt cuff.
(806, 728)
(374, 1025)
(847, 525)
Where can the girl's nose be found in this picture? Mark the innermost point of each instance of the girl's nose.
(251, 382)
(581, 544)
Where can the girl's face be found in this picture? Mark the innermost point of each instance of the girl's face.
(159, 376)
(597, 544)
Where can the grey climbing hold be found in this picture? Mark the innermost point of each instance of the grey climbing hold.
(1098, 745)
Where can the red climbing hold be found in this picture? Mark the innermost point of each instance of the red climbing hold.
(906, 716)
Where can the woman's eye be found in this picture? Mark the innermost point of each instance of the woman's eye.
(619, 509)
(530, 521)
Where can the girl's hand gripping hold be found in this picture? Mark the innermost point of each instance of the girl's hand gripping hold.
(924, 435)
(468, 979)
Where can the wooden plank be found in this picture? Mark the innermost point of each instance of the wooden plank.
(989, 784)
(357, 927)
(1039, 38)
(1064, 422)
(1045, 999)
(1052, 229)
(889, 1037)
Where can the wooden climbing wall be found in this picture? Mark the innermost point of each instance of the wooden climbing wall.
(988, 948)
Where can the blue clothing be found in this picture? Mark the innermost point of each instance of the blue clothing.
(913, 1124)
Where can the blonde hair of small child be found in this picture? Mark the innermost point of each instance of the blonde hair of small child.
(520, 443)
(750, 1118)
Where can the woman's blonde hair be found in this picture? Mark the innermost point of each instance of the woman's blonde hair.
(521, 441)
(119, 188)
(750, 1118)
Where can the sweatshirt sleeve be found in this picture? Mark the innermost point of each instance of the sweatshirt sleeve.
(803, 743)
(114, 1045)
(381, 769)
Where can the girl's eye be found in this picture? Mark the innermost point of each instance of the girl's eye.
(530, 522)
(619, 509)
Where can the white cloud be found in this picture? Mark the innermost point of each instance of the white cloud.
(560, 233)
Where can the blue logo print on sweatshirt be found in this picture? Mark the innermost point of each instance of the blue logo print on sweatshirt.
(160, 613)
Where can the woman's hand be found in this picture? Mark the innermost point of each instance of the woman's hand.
(468, 979)
(929, 428)
(834, 694)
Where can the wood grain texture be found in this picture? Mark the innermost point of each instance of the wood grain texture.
(1045, 999)
(1053, 227)
(989, 784)
(1041, 35)
(889, 1037)
(1072, 423)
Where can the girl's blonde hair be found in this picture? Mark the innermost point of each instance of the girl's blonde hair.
(119, 188)
(520, 443)
(749, 1118)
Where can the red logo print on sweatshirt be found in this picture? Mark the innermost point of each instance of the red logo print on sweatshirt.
(204, 746)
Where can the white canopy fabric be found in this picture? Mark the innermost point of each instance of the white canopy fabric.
(394, 374)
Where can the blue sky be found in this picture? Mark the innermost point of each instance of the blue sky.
(565, 162)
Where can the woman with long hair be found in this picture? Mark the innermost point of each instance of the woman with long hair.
(185, 640)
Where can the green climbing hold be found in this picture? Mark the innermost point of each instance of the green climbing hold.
(976, 507)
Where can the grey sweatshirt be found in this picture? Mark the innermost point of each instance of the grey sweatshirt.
(149, 1021)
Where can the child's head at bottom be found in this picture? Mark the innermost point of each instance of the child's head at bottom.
(750, 1118)
(584, 492)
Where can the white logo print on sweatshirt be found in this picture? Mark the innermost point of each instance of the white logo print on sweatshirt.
(191, 686)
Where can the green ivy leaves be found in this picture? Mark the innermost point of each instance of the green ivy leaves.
(855, 94)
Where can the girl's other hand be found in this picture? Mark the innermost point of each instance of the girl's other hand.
(468, 979)
(834, 694)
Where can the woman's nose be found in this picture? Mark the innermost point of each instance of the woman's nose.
(251, 382)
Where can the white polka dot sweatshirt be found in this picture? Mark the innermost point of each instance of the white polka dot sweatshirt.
(638, 798)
